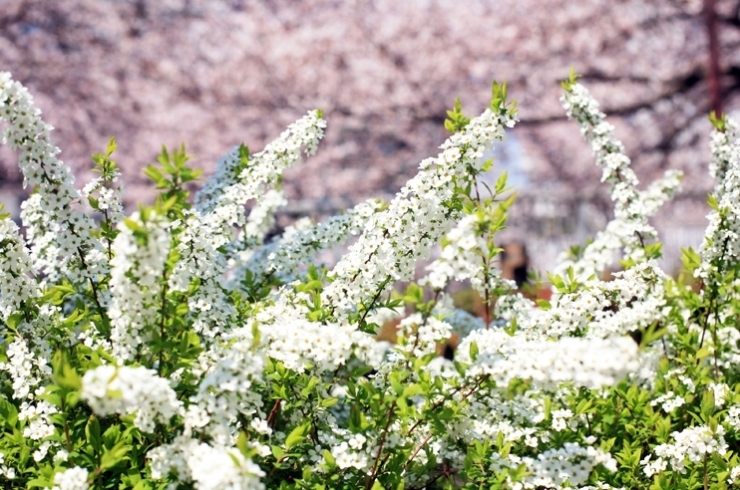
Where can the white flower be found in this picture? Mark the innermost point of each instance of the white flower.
(136, 281)
(394, 239)
(592, 363)
(721, 244)
(693, 444)
(206, 466)
(72, 479)
(629, 229)
(261, 426)
(125, 390)
(60, 234)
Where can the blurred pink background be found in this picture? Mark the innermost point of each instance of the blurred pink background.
(213, 74)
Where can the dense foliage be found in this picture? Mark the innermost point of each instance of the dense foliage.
(178, 347)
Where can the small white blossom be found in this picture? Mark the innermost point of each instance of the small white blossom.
(125, 390)
(72, 479)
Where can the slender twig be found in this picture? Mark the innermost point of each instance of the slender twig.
(381, 288)
(416, 451)
(444, 471)
(376, 467)
(274, 412)
(93, 285)
(449, 397)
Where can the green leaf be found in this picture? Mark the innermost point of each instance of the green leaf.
(133, 225)
(719, 121)
(719, 461)
(412, 390)
(690, 258)
(153, 173)
(707, 405)
(329, 458)
(703, 352)
(328, 402)
(64, 374)
(501, 182)
(297, 435)
(114, 455)
(583, 406)
(712, 201)
(92, 433)
(277, 452)
(242, 443)
(14, 320)
(474, 351)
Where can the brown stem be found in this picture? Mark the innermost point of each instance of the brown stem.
(448, 397)
(444, 471)
(416, 451)
(93, 285)
(376, 467)
(271, 418)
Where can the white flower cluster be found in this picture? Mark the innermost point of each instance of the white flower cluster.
(630, 228)
(734, 476)
(462, 258)
(207, 467)
(234, 184)
(261, 218)
(692, 443)
(5, 470)
(564, 467)
(592, 363)
(724, 153)
(416, 218)
(38, 413)
(461, 321)
(516, 307)
(229, 373)
(108, 196)
(60, 234)
(721, 393)
(721, 244)
(27, 370)
(668, 402)
(72, 479)
(126, 390)
(299, 245)
(659, 192)
(733, 417)
(141, 249)
(300, 344)
(220, 207)
(348, 450)
(16, 285)
(599, 255)
(201, 260)
(633, 300)
(421, 335)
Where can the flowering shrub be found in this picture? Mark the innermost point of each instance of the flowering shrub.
(178, 347)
